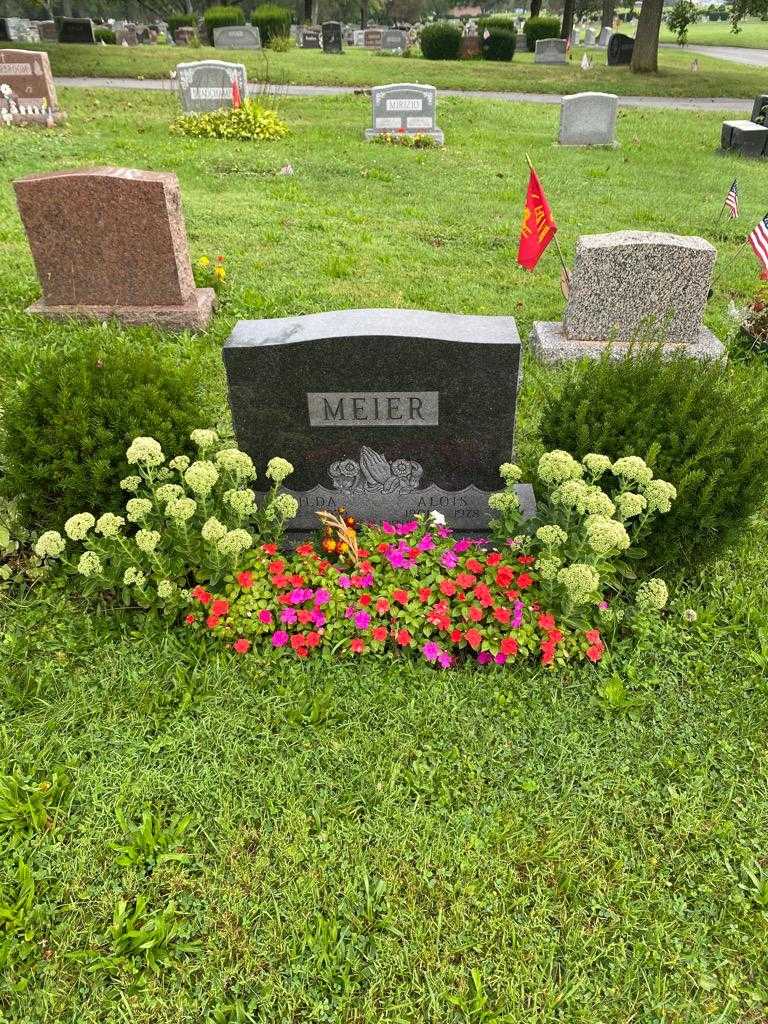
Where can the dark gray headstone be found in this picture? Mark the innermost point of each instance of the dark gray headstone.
(76, 30)
(237, 37)
(620, 49)
(760, 110)
(311, 39)
(206, 85)
(394, 39)
(406, 108)
(388, 412)
(331, 37)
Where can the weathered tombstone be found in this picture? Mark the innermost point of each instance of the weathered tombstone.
(633, 286)
(331, 36)
(386, 412)
(620, 49)
(589, 37)
(237, 37)
(76, 30)
(19, 30)
(32, 99)
(311, 38)
(588, 119)
(394, 39)
(126, 35)
(373, 38)
(48, 31)
(574, 37)
(550, 51)
(521, 46)
(605, 36)
(404, 109)
(143, 34)
(108, 241)
(750, 138)
(470, 47)
(206, 85)
(358, 37)
(185, 35)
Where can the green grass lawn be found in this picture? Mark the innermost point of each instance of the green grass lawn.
(752, 33)
(378, 844)
(365, 68)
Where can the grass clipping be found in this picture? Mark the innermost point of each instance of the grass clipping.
(250, 122)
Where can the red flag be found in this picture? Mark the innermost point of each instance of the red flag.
(538, 227)
(236, 100)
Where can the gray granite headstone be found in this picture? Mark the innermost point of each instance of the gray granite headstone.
(575, 37)
(620, 49)
(358, 37)
(633, 286)
(550, 51)
(387, 412)
(588, 119)
(19, 30)
(605, 36)
(126, 34)
(394, 39)
(237, 37)
(750, 138)
(521, 46)
(331, 36)
(589, 37)
(373, 38)
(406, 108)
(311, 39)
(76, 30)
(206, 85)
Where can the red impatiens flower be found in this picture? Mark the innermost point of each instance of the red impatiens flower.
(474, 566)
(382, 605)
(456, 636)
(504, 575)
(365, 599)
(547, 621)
(494, 558)
(189, 619)
(212, 621)
(555, 636)
(269, 549)
(465, 580)
(242, 645)
(304, 549)
(201, 595)
(447, 587)
(401, 596)
(379, 633)
(312, 638)
(524, 580)
(277, 567)
(593, 636)
(356, 645)
(474, 638)
(526, 559)
(382, 548)
(403, 637)
(245, 579)
(475, 613)
(424, 594)
(483, 594)
(509, 646)
(547, 653)
(502, 615)
(220, 607)
(595, 652)
(304, 616)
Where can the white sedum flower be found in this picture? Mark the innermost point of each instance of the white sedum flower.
(551, 535)
(557, 466)
(204, 439)
(510, 472)
(547, 568)
(165, 492)
(234, 542)
(504, 502)
(284, 506)
(137, 509)
(179, 463)
(147, 540)
(652, 595)
(571, 495)
(134, 577)
(606, 536)
(89, 564)
(201, 477)
(242, 502)
(659, 494)
(239, 464)
(633, 469)
(630, 504)
(596, 464)
(180, 509)
(145, 450)
(597, 503)
(278, 469)
(77, 526)
(580, 582)
(50, 544)
(166, 590)
(108, 525)
(130, 483)
(212, 530)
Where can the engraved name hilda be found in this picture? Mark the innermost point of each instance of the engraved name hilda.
(373, 408)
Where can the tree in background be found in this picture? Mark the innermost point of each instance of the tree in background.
(645, 55)
(682, 15)
(566, 26)
(608, 14)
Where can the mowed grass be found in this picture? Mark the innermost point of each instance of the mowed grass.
(385, 843)
(364, 68)
(752, 33)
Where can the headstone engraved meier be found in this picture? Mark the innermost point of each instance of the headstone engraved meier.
(385, 412)
(406, 109)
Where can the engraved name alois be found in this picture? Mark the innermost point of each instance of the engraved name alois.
(373, 408)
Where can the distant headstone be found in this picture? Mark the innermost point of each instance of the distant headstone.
(237, 37)
(48, 31)
(750, 138)
(311, 39)
(470, 47)
(358, 37)
(373, 38)
(588, 119)
(185, 35)
(19, 30)
(574, 37)
(605, 36)
(206, 85)
(126, 35)
(521, 46)
(394, 39)
(76, 30)
(550, 51)
(331, 36)
(620, 48)
(27, 92)
(389, 413)
(634, 286)
(108, 241)
(589, 37)
(406, 108)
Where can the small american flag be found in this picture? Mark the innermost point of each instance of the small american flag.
(758, 239)
(732, 200)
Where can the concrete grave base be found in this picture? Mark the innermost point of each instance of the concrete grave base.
(550, 344)
(194, 315)
(745, 137)
(436, 134)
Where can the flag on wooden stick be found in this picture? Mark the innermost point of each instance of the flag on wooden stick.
(538, 228)
(732, 200)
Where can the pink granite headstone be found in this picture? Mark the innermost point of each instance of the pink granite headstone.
(110, 242)
(27, 92)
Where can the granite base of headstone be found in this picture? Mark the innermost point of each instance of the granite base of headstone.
(110, 242)
(588, 119)
(27, 91)
(630, 288)
(206, 85)
(76, 30)
(388, 413)
(620, 50)
(237, 37)
(521, 46)
(331, 36)
(550, 51)
(749, 138)
(404, 109)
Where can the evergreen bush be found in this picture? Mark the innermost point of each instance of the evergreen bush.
(441, 41)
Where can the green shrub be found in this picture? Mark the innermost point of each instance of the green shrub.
(271, 20)
(100, 33)
(505, 21)
(248, 123)
(499, 45)
(180, 21)
(69, 417)
(280, 44)
(700, 425)
(540, 28)
(221, 16)
(441, 41)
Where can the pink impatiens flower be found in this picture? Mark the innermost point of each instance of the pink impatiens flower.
(362, 620)
(279, 638)
(431, 651)
(265, 616)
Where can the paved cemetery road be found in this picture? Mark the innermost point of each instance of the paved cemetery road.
(675, 102)
(735, 54)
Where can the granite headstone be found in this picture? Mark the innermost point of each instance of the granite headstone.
(589, 37)
(311, 39)
(19, 30)
(331, 36)
(406, 108)
(620, 49)
(110, 241)
(605, 36)
(374, 38)
(521, 46)
(550, 51)
(48, 31)
(237, 37)
(588, 119)
(76, 30)
(394, 39)
(27, 73)
(750, 138)
(633, 286)
(206, 85)
(386, 412)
